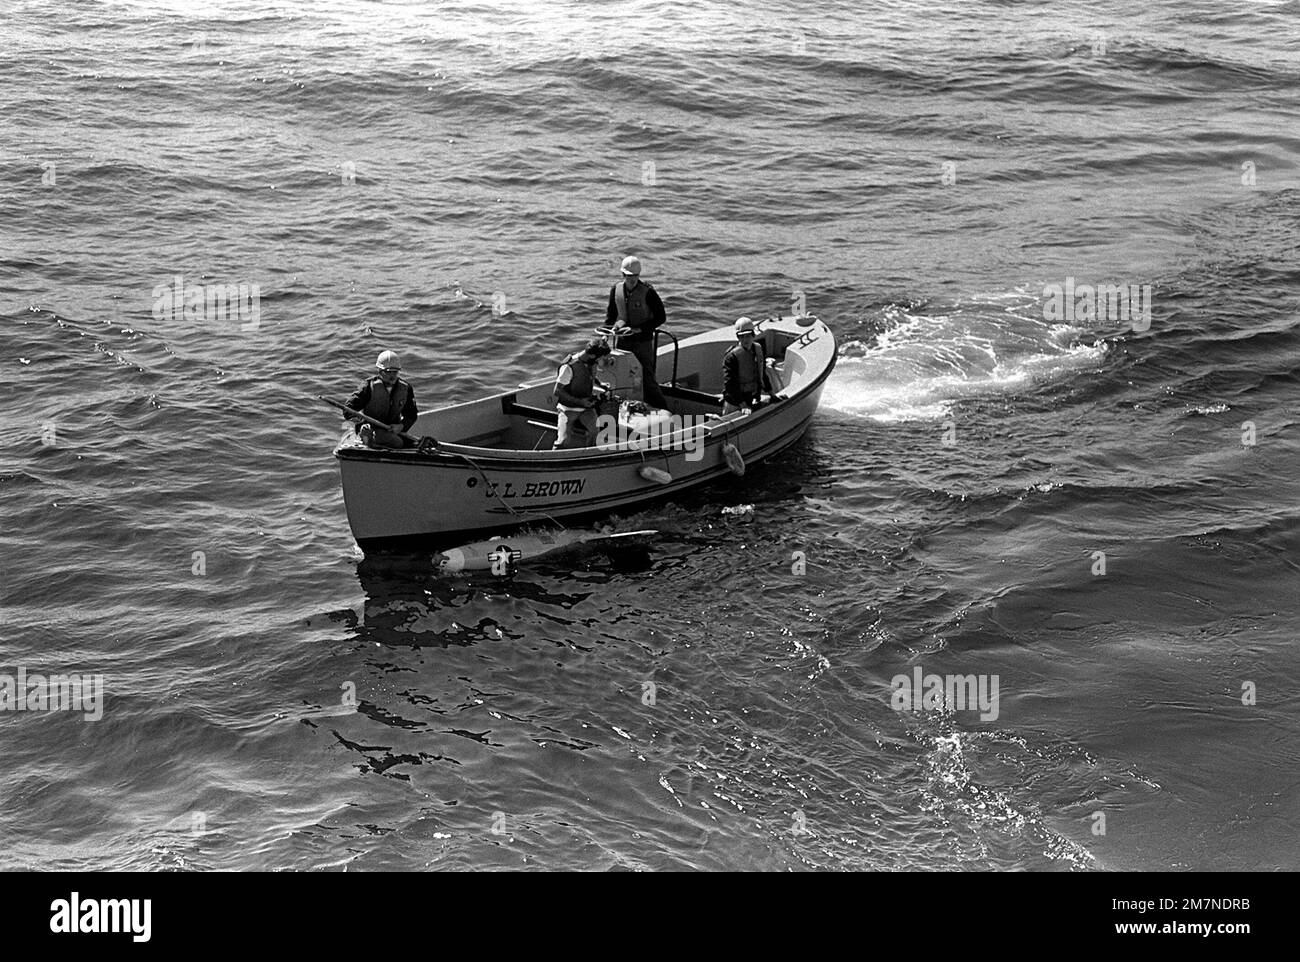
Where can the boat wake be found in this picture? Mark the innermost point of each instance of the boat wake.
(919, 364)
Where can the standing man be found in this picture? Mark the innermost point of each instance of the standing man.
(744, 371)
(635, 306)
(575, 396)
(389, 399)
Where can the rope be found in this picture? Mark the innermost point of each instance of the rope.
(523, 519)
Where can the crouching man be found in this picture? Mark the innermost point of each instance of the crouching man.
(389, 399)
(575, 396)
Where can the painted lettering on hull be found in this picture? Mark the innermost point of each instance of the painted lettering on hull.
(536, 489)
(551, 489)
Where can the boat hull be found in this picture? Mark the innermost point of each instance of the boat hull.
(401, 501)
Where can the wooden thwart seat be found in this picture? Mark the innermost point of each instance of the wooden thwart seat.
(689, 394)
(549, 419)
(537, 417)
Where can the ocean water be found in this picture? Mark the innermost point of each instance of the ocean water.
(1099, 514)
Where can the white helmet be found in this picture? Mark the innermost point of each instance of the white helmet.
(388, 361)
(744, 326)
(631, 264)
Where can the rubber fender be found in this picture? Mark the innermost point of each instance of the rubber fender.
(734, 459)
(657, 475)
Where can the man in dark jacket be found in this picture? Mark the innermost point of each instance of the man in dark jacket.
(575, 396)
(389, 399)
(744, 371)
(635, 306)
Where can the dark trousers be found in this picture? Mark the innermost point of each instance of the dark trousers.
(644, 351)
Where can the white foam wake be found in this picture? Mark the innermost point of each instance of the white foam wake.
(919, 365)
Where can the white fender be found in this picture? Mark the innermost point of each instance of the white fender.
(734, 460)
(657, 475)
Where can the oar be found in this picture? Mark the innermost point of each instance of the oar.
(352, 415)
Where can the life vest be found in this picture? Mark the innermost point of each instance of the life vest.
(382, 406)
(581, 384)
(750, 375)
(632, 307)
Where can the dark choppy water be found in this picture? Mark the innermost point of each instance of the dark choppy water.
(499, 147)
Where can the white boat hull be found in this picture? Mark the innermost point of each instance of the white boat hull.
(394, 498)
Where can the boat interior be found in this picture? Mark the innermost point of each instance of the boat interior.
(689, 371)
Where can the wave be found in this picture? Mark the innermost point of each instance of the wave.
(921, 364)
